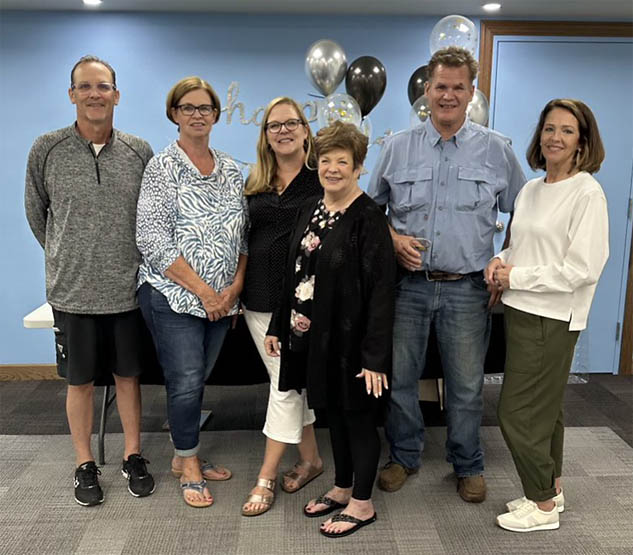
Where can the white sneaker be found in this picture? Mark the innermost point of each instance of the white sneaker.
(516, 503)
(529, 518)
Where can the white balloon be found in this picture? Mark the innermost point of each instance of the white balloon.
(339, 107)
(454, 30)
(478, 108)
(420, 111)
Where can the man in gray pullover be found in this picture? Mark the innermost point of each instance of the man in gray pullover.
(82, 185)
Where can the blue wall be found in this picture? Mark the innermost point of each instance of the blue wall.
(150, 52)
(264, 54)
(565, 76)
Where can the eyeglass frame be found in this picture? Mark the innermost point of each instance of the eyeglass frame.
(76, 87)
(181, 106)
(283, 124)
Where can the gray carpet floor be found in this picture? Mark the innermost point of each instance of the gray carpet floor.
(38, 515)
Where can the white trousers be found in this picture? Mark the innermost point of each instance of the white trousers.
(288, 411)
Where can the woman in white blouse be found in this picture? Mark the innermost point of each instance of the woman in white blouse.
(191, 231)
(549, 272)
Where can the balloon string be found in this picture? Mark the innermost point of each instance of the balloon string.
(315, 95)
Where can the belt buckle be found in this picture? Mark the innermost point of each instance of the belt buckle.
(428, 276)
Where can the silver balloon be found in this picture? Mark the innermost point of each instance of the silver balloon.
(420, 111)
(339, 107)
(454, 30)
(326, 65)
(478, 108)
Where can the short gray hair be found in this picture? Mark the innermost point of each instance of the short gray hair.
(92, 59)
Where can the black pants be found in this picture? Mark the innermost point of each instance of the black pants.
(356, 449)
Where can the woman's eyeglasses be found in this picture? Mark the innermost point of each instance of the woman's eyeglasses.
(289, 124)
(190, 109)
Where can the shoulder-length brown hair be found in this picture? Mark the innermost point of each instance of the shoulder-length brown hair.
(263, 173)
(591, 154)
(185, 86)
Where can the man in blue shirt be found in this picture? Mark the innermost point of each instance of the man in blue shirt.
(443, 181)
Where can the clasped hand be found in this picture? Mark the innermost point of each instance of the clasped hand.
(497, 275)
(217, 305)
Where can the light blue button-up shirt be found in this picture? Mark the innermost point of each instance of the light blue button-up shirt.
(448, 191)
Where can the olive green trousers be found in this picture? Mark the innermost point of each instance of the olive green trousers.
(538, 358)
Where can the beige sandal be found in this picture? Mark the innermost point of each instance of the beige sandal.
(266, 499)
(300, 479)
(209, 471)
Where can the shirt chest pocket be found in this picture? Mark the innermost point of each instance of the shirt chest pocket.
(475, 190)
(412, 189)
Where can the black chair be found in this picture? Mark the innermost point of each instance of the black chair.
(238, 363)
(495, 356)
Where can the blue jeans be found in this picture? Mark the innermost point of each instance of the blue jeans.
(458, 310)
(187, 348)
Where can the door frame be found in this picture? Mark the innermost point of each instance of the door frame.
(488, 31)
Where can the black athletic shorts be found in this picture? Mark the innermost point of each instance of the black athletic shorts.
(92, 345)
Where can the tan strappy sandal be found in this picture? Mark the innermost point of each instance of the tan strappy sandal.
(301, 474)
(267, 499)
(210, 472)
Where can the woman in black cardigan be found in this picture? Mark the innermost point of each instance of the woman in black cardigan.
(335, 323)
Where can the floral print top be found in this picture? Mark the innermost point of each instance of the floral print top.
(320, 224)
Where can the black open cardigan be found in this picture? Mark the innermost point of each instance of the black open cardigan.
(352, 311)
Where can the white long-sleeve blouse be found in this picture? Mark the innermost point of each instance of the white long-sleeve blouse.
(559, 245)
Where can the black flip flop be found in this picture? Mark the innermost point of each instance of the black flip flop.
(324, 500)
(358, 523)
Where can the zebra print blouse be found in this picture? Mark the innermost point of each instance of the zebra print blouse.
(204, 218)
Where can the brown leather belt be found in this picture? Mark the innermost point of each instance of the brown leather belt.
(443, 276)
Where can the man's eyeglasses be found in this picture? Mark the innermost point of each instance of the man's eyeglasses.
(190, 109)
(85, 88)
(289, 124)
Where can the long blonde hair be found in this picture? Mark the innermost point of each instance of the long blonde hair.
(261, 177)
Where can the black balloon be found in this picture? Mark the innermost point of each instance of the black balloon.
(366, 81)
(416, 84)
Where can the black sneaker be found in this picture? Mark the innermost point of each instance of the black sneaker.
(88, 492)
(139, 482)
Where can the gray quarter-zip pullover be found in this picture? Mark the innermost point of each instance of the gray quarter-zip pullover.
(82, 210)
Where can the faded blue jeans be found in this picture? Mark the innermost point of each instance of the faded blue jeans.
(458, 310)
(187, 348)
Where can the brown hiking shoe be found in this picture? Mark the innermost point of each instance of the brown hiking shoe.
(393, 476)
(472, 488)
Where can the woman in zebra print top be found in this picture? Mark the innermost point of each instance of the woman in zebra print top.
(191, 230)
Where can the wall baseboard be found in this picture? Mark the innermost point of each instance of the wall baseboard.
(28, 372)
